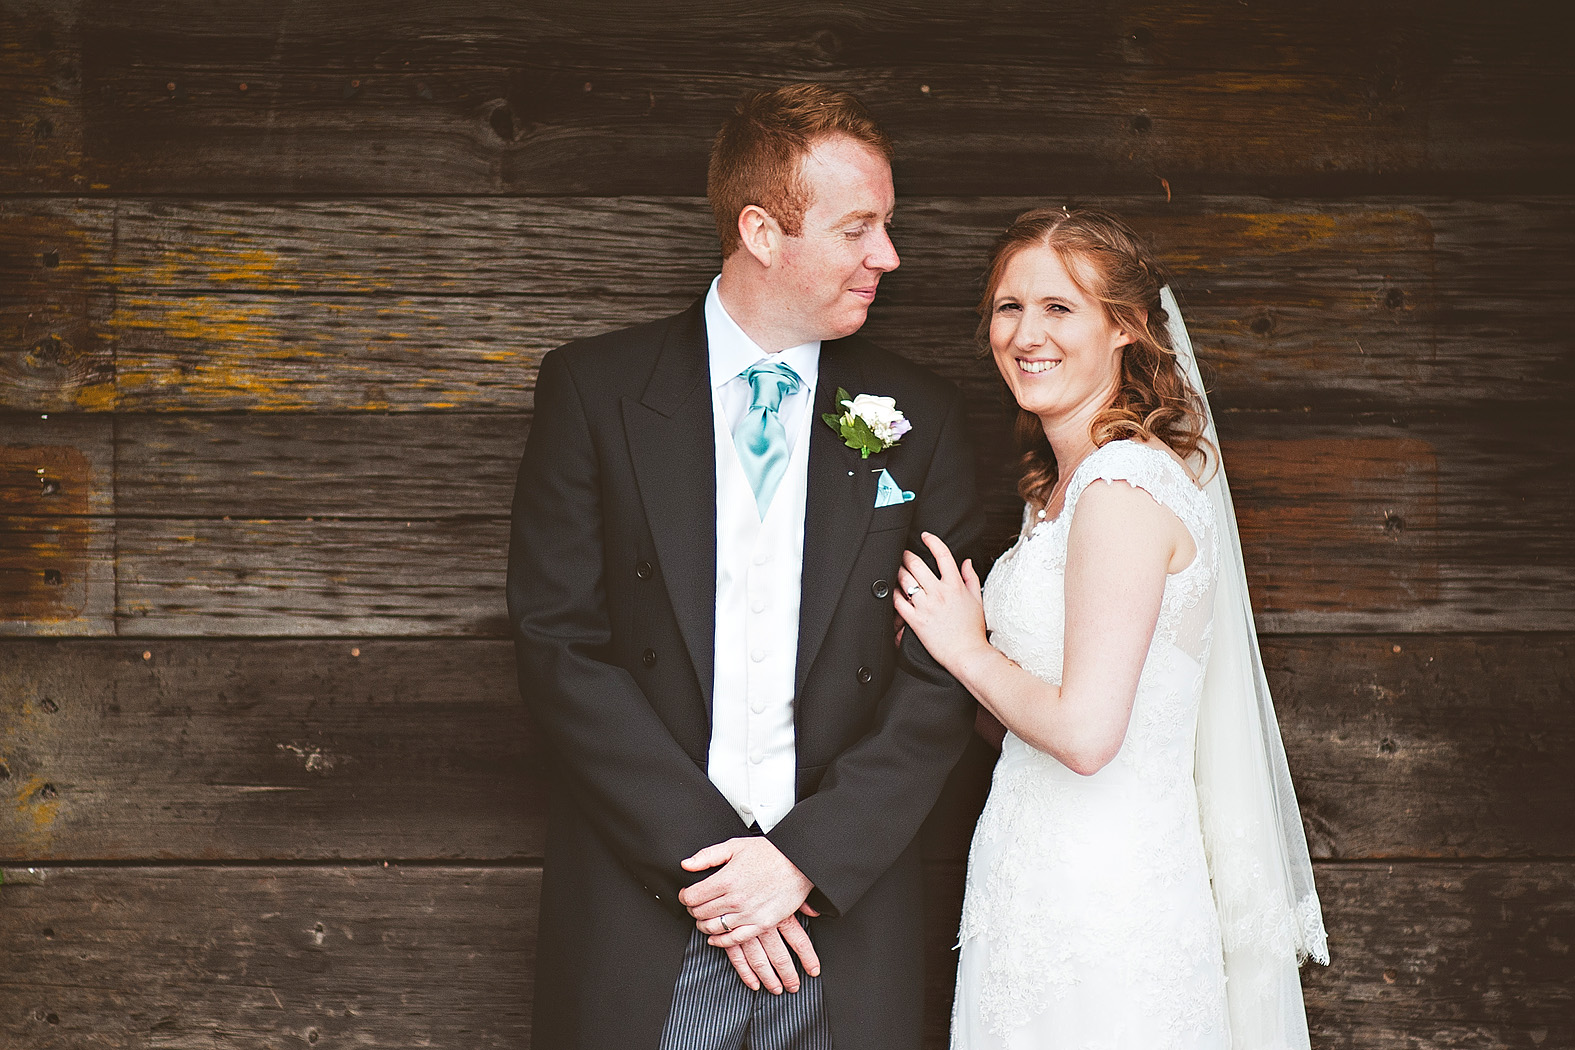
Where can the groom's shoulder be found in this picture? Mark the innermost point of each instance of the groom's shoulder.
(621, 351)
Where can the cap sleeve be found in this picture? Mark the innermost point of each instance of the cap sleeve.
(1153, 471)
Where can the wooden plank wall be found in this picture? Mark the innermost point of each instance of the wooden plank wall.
(274, 280)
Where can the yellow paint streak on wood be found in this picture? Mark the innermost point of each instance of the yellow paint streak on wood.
(35, 816)
(214, 258)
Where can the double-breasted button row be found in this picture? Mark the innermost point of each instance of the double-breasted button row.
(643, 570)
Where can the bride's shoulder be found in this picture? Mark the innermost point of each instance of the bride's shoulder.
(1114, 460)
(1150, 466)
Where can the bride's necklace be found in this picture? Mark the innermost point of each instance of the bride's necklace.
(1063, 479)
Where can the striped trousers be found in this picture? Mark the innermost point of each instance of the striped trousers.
(714, 1010)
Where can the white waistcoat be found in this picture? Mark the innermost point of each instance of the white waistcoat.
(759, 574)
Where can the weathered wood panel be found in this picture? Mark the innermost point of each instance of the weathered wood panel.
(245, 750)
(1384, 304)
(256, 958)
(1425, 956)
(1403, 746)
(310, 577)
(619, 98)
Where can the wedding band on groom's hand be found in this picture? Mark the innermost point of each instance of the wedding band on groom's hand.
(726, 927)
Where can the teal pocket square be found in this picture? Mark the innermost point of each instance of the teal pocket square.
(887, 492)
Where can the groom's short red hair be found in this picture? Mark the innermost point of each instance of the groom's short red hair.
(756, 156)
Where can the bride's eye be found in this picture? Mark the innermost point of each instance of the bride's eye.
(1002, 308)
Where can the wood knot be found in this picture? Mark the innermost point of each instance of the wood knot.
(1395, 299)
(827, 43)
(1142, 124)
(501, 120)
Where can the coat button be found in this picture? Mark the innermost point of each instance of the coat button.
(866, 676)
(880, 589)
(643, 570)
(648, 658)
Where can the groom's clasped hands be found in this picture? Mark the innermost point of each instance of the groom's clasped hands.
(749, 907)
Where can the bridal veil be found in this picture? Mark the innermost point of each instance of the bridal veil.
(1252, 829)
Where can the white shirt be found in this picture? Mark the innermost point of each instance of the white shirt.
(759, 577)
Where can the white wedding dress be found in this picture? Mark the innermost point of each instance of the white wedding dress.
(1089, 921)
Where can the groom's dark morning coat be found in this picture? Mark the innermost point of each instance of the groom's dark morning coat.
(612, 568)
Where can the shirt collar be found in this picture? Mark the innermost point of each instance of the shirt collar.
(731, 350)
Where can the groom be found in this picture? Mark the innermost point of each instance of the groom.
(700, 579)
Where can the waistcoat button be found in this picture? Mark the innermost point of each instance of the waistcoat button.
(643, 570)
(866, 676)
(648, 658)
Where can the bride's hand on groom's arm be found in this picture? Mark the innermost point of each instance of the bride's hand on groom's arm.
(944, 608)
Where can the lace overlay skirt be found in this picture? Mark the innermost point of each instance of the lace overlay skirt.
(1089, 921)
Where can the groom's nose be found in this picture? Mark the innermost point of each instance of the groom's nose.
(883, 254)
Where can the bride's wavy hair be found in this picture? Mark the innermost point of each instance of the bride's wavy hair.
(1110, 263)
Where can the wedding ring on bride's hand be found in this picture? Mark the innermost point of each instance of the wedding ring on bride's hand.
(911, 591)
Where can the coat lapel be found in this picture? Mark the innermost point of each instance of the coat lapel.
(841, 502)
(673, 451)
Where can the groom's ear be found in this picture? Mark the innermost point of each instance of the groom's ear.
(759, 234)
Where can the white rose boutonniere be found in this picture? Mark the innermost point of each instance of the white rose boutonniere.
(868, 423)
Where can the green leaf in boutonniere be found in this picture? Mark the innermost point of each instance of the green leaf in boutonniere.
(869, 423)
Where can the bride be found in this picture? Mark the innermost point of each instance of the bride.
(1139, 877)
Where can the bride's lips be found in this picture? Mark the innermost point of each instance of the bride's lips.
(1037, 366)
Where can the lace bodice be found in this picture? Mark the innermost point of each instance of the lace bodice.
(1071, 877)
(1024, 605)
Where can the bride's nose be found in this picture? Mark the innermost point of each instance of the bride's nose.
(1029, 335)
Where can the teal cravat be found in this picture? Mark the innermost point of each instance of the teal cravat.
(759, 436)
